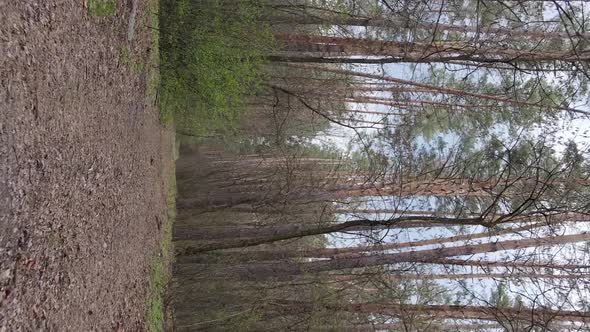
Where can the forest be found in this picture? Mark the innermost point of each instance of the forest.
(379, 165)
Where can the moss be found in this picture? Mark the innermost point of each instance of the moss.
(102, 7)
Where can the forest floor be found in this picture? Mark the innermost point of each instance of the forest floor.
(85, 167)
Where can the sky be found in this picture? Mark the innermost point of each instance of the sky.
(559, 132)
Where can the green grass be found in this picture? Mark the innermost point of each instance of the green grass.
(129, 60)
(153, 74)
(160, 273)
(155, 310)
(211, 59)
(155, 302)
(102, 7)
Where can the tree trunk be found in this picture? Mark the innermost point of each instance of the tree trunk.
(286, 232)
(278, 254)
(252, 236)
(442, 90)
(537, 315)
(414, 51)
(406, 23)
(263, 271)
(450, 276)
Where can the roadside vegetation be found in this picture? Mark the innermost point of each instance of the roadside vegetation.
(153, 71)
(158, 314)
(211, 60)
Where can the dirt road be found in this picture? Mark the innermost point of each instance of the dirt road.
(82, 168)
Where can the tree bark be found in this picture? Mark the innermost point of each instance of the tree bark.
(278, 254)
(274, 234)
(405, 23)
(442, 90)
(262, 271)
(537, 315)
(415, 51)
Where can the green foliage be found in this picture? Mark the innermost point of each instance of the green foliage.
(212, 56)
(102, 7)
(160, 274)
(155, 301)
(573, 158)
(500, 298)
(153, 64)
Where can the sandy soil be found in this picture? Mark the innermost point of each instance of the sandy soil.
(82, 169)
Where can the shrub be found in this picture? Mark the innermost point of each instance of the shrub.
(212, 57)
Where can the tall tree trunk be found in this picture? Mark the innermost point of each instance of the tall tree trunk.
(538, 315)
(286, 232)
(517, 264)
(263, 271)
(278, 254)
(506, 275)
(414, 51)
(442, 90)
(407, 23)
(189, 236)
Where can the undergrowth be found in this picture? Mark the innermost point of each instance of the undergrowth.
(153, 72)
(156, 312)
(211, 59)
(102, 7)
(160, 273)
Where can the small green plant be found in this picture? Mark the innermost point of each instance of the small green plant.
(155, 301)
(102, 7)
(130, 60)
